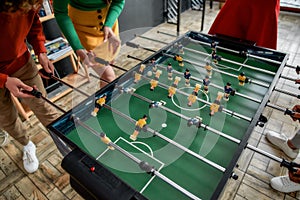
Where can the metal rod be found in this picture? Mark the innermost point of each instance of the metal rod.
(105, 62)
(233, 62)
(275, 158)
(206, 102)
(192, 196)
(69, 85)
(53, 104)
(216, 86)
(219, 87)
(237, 52)
(166, 33)
(169, 140)
(264, 153)
(206, 127)
(291, 66)
(276, 107)
(222, 72)
(101, 79)
(129, 56)
(143, 165)
(288, 78)
(154, 40)
(287, 92)
(137, 46)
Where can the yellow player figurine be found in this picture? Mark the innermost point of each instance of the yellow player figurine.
(242, 79)
(106, 140)
(192, 98)
(139, 125)
(209, 69)
(197, 88)
(98, 104)
(173, 87)
(216, 105)
(154, 81)
(137, 75)
(179, 59)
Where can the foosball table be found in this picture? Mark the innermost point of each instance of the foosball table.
(173, 126)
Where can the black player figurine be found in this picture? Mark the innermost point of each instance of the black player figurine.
(170, 71)
(228, 90)
(206, 83)
(187, 75)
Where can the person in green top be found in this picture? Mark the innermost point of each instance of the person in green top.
(91, 28)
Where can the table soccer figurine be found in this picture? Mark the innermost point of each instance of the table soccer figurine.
(242, 79)
(172, 89)
(156, 104)
(213, 46)
(216, 105)
(153, 65)
(228, 90)
(216, 58)
(139, 125)
(180, 47)
(138, 74)
(154, 81)
(197, 88)
(99, 104)
(206, 83)
(179, 59)
(192, 98)
(106, 140)
(197, 121)
(170, 71)
(187, 75)
(209, 69)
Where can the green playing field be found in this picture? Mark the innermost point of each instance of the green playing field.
(187, 159)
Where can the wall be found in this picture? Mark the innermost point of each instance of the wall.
(140, 15)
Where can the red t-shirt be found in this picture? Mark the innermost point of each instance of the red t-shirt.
(16, 28)
(253, 20)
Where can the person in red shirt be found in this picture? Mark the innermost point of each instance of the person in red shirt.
(20, 23)
(254, 20)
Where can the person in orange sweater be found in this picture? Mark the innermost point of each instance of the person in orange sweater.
(18, 73)
(254, 20)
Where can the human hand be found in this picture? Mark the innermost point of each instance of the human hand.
(295, 176)
(296, 113)
(16, 86)
(85, 56)
(46, 64)
(298, 69)
(114, 41)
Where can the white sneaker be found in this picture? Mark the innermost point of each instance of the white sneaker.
(3, 138)
(284, 184)
(30, 161)
(280, 141)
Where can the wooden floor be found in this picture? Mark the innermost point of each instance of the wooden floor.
(255, 171)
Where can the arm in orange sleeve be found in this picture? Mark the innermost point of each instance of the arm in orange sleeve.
(36, 36)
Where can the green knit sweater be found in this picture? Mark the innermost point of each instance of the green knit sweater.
(61, 14)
